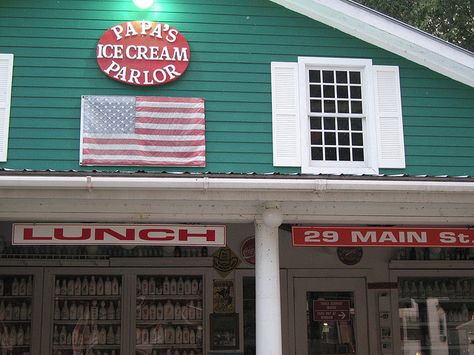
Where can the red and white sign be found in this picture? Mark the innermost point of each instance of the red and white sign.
(383, 237)
(143, 53)
(119, 234)
(331, 310)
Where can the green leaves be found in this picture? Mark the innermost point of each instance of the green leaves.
(451, 20)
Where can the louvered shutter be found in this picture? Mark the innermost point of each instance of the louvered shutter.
(6, 69)
(391, 150)
(285, 118)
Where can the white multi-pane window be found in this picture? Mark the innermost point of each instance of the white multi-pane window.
(336, 116)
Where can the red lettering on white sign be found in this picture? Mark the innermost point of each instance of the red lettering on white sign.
(383, 237)
(109, 234)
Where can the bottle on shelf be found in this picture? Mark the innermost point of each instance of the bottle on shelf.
(85, 286)
(115, 286)
(107, 287)
(102, 311)
(168, 310)
(15, 287)
(111, 311)
(173, 287)
(92, 287)
(77, 286)
(22, 287)
(166, 286)
(100, 286)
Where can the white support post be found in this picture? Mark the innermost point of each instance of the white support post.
(267, 283)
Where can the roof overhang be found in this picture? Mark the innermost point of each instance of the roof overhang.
(390, 34)
(200, 199)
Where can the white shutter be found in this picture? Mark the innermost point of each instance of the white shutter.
(6, 70)
(285, 117)
(391, 149)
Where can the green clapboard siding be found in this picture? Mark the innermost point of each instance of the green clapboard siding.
(232, 45)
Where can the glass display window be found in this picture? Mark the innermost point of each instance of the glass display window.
(436, 315)
(169, 315)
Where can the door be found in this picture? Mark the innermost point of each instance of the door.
(331, 316)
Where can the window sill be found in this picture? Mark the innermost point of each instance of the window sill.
(339, 170)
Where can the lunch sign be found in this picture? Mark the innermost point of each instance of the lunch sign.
(143, 53)
(383, 237)
(119, 234)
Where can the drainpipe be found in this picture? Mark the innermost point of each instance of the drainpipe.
(267, 283)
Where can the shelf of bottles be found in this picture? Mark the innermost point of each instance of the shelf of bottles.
(87, 315)
(169, 315)
(436, 315)
(16, 293)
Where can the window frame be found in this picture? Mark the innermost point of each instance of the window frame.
(370, 163)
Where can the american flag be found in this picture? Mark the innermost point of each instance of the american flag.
(142, 130)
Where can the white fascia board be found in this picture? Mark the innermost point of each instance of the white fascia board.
(230, 184)
(389, 34)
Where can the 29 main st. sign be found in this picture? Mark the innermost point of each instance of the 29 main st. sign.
(383, 237)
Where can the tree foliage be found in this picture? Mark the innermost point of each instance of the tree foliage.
(451, 20)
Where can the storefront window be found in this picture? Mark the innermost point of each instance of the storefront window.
(330, 323)
(436, 316)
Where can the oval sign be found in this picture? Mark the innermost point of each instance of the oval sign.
(248, 250)
(143, 53)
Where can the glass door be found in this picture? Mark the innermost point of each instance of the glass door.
(330, 316)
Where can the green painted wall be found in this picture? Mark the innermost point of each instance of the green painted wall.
(232, 45)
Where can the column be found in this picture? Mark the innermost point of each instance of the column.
(267, 283)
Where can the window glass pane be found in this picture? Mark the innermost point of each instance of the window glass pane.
(342, 92)
(436, 314)
(316, 138)
(343, 106)
(330, 153)
(315, 106)
(328, 91)
(357, 139)
(342, 123)
(329, 123)
(356, 124)
(341, 77)
(356, 92)
(357, 154)
(315, 90)
(328, 76)
(330, 138)
(315, 123)
(343, 139)
(356, 106)
(316, 153)
(329, 106)
(354, 77)
(344, 154)
(315, 76)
